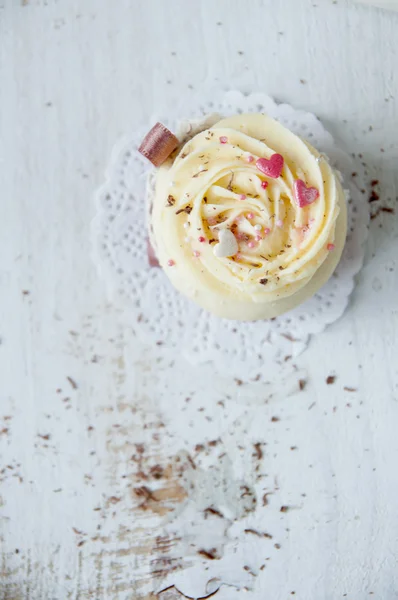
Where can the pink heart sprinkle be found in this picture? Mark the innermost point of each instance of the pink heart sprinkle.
(223, 139)
(271, 167)
(250, 215)
(242, 197)
(267, 230)
(304, 195)
(251, 244)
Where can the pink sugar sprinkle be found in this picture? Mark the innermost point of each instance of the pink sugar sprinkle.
(201, 239)
(223, 139)
(242, 197)
(196, 253)
(279, 223)
(212, 221)
(330, 247)
(267, 231)
(251, 244)
(250, 158)
(238, 256)
(171, 262)
(264, 184)
(250, 215)
(258, 238)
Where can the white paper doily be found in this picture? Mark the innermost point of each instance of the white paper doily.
(164, 318)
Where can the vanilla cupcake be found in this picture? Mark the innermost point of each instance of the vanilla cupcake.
(248, 219)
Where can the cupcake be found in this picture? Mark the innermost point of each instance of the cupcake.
(248, 220)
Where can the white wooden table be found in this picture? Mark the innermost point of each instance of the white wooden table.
(88, 470)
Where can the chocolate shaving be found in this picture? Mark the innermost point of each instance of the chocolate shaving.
(302, 384)
(187, 210)
(213, 511)
(374, 197)
(265, 498)
(268, 536)
(210, 554)
(199, 173)
(330, 379)
(259, 451)
(72, 382)
(264, 281)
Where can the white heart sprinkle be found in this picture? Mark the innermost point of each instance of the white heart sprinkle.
(227, 246)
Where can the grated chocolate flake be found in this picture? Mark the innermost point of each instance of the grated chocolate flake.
(187, 210)
(170, 200)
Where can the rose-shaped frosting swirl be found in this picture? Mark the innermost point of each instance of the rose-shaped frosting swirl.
(273, 191)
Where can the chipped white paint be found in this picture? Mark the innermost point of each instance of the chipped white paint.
(102, 439)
